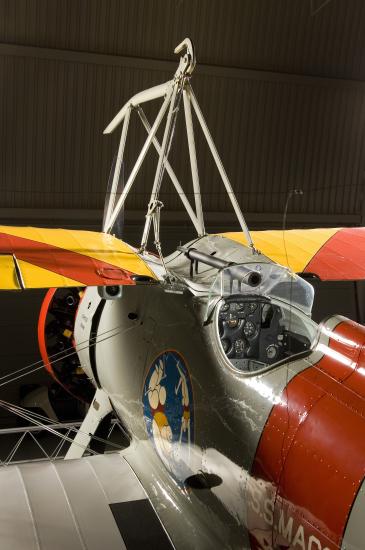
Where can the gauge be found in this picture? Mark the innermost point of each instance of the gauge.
(251, 307)
(271, 352)
(225, 344)
(249, 329)
(240, 307)
(239, 346)
(225, 307)
(232, 320)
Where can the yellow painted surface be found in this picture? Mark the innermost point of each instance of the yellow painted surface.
(292, 248)
(100, 246)
(8, 278)
(34, 277)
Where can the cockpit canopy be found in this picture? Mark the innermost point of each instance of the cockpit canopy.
(263, 316)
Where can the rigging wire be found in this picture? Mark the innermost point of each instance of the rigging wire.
(291, 193)
(74, 352)
(39, 420)
(15, 410)
(63, 355)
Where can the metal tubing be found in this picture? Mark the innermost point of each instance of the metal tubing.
(18, 273)
(118, 165)
(159, 169)
(207, 259)
(236, 271)
(140, 159)
(171, 173)
(141, 97)
(193, 161)
(55, 426)
(220, 167)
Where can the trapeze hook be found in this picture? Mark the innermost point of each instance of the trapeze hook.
(188, 61)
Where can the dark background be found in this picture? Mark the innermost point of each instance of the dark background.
(281, 83)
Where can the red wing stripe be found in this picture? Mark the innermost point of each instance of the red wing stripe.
(73, 265)
(342, 257)
(306, 269)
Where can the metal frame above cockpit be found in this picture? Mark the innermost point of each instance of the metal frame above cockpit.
(171, 91)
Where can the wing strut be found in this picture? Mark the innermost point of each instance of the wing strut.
(99, 409)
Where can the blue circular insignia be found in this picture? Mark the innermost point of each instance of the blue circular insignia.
(168, 410)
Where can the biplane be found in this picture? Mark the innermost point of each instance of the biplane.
(245, 418)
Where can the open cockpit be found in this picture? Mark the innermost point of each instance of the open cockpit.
(256, 332)
(262, 324)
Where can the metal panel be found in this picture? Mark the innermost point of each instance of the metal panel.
(62, 504)
(88, 504)
(15, 510)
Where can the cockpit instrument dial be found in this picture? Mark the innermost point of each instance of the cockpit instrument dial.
(239, 346)
(271, 352)
(251, 307)
(253, 334)
(249, 329)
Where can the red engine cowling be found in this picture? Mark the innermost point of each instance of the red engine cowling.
(309, 467)
(56, 343)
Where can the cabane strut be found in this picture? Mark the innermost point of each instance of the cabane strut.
(172, 92)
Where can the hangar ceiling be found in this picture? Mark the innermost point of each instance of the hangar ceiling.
(280, 82)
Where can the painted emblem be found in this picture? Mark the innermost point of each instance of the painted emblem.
(169, 412)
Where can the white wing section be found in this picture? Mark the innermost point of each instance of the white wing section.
(58, 505)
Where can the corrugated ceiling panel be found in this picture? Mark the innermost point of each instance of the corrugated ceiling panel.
(273, 136)
(298, 36)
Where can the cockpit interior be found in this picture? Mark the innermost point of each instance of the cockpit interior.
(256, 332)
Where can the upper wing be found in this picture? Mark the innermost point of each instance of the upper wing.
(335, 254)
(92, 503)
(41, 258)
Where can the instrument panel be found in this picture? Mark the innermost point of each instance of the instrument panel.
(253, 334)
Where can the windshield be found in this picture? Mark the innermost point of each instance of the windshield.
(264, 279)
(262, 315)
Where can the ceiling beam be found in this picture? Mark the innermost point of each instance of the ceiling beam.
(80, 218)
(167, 66)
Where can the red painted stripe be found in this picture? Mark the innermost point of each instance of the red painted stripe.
(42, 330)
(89, 271)
(348, 339)
(42, 343)
(311, 456)
(342, 257)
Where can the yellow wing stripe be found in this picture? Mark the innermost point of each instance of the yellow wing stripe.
(7, 273)
(60, 257)
(38, 277)
(299, 247)
(100, 246)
